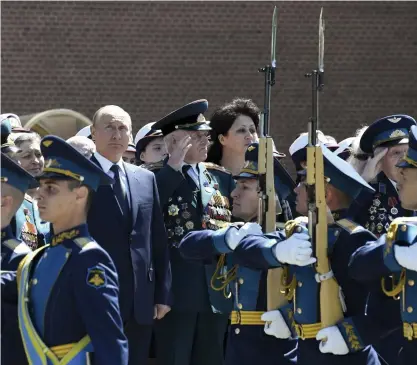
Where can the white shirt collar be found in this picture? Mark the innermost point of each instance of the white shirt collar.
(393, 183)
(107, 164)
(193, 166)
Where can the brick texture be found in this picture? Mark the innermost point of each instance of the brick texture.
(151, 58)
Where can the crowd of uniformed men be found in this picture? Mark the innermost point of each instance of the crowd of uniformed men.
(113, 249)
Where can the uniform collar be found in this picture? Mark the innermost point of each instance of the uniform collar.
(7, 233)
(70, 234)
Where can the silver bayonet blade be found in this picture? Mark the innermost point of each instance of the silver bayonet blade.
(321, 42)
(274, 37)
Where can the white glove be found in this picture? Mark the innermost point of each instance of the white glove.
(235, 235)
(296, 250)
(275, 325)
(406, 256)
(332, 341)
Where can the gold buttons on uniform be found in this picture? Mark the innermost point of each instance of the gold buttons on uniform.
(411, 282)
(299, 311)
(410, 309)
(241, 281)
(34, 281)
(403, 227)
(237, 330)
(239, 305)
(300, 284)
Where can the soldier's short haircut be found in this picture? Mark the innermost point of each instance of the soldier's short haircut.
(73, 184)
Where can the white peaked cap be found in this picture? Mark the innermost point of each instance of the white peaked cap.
(85, 132)
(302, 142)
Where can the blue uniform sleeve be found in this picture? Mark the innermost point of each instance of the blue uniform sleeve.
(204, 245)
(96, 291)
(160, 253)
(257, 252)
(8, 281)
(168, 181)
(373, 261)
(357, 328)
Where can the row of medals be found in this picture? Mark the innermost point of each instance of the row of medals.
(381, 215)
(217, 210)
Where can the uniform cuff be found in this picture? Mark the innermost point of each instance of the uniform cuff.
(219, 240)
(351, 335)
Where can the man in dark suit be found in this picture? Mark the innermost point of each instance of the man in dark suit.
(126, 220)
(194, 196)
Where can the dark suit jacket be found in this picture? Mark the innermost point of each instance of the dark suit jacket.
(138, 248)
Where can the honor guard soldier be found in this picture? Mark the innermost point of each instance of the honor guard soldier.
(247, 287)
(67, 292)
(395, 254)
(376, 151)
(194, 196)
(301, 317)
(26, 224)
(15, 181)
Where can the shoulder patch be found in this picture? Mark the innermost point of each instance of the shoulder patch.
(84, 242)
(11, 244)
(96, 277)
(153, 166)
(213, 166)
(349, 225)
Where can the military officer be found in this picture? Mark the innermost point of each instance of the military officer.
(194, 196)
(247, 343)
(15, 181)
(26, 224)
(395, 254)
(67, 292)
(301, 317)
(376, 151)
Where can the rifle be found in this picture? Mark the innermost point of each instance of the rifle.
(268, 207)
(330, 306)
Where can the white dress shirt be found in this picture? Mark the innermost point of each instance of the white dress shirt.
(106, 166)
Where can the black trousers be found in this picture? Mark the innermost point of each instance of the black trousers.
(139, 339)
(186, 338)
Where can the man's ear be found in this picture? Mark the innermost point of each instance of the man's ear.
(81, 192)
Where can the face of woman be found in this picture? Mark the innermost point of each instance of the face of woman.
(30, 157)
(240, 135)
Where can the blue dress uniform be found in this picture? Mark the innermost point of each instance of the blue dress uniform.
(26, 224)
(376, 263)
(377, 211)
(302, 314)
(193, 332)
(12, 252)
(67, 292)
(246, 287)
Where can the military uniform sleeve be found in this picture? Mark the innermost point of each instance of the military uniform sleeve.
(204, 245)
(257, 252)
(160, 253)
(96, 291)
(8, 281)
(373, 261)
(358, 329)
(168, 181)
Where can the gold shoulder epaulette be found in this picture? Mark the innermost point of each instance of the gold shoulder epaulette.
(11, 244)
(82, 242)
(28, 198)
(349, 225)
(213, 166)
(153, 166)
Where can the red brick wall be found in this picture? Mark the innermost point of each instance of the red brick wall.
(150, 58)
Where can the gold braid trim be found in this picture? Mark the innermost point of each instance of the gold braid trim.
(289, 288)
(396, 288)
(224, 279)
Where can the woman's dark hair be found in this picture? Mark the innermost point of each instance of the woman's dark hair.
(223, 118)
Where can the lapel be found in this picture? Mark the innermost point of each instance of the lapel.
(206, 184)
(134, 185)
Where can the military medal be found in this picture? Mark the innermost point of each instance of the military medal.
(179, 231)
(170, 233)
(173, 210)
(381, 217)
(372, 217)
(386, 226)
(379, 227)
(372, 210)
(394, 211)
(179, 199)
(189, 225)
(178, 221)
(377, 202)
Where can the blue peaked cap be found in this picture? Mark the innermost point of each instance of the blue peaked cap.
(16, 176)
(62, 161)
